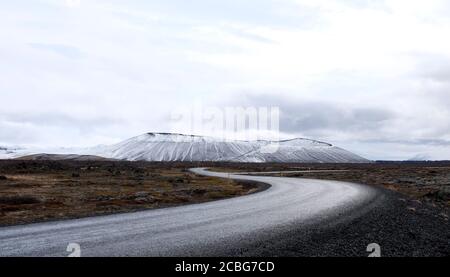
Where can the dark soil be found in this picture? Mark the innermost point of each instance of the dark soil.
(401, 227)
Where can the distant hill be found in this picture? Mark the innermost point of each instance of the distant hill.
(168, 147)
(178, 147)
(60, 157)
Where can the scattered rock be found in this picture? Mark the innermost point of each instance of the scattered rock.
(139, 171)
(406, 180)
(176, 185)
(412, 209)
(175, 181)
(147, 199)
(412, 234)
(141, 194)
(141, 199)
(3, 178)
(104, 198)
(443, 193)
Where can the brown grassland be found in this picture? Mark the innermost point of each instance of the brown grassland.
(35, 191)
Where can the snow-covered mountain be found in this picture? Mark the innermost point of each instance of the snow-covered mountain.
(177, 147)
(422, 157)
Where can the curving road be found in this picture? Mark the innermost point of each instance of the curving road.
(212, 228)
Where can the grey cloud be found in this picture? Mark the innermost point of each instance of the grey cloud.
(15, 135)
(58, 119)
(370, 130)
(310, 117)
(242, 33)
(283, 13)
(67, 51)
(433, 72)
(433, 67)
(265, 12)
(429, 142)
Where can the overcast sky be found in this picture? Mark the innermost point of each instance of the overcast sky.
(370, 76)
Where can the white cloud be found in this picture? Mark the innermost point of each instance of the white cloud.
(135, 61)
(73, 3)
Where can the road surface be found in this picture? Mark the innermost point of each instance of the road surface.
(207, 229)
